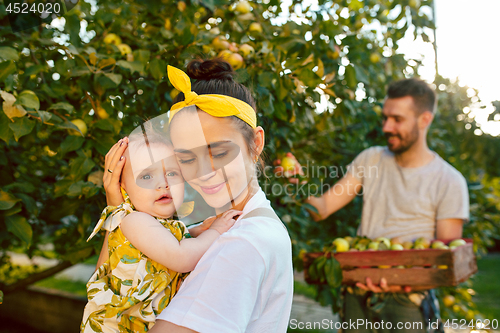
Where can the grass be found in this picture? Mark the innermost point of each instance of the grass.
(486, 285)
(74, 287)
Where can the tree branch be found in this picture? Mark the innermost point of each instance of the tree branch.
(34, 278)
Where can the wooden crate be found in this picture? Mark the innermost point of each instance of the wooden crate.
(357, 266)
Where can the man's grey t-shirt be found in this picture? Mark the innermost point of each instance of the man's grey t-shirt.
(407, 202)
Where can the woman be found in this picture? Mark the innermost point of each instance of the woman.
(244, 282)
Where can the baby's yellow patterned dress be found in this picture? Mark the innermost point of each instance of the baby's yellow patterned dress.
(127, 292)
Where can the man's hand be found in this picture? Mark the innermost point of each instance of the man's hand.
(383, 287)
(289, 167)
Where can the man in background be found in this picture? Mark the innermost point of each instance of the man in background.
(408, 192)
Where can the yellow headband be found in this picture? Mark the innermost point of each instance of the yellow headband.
(215, 105)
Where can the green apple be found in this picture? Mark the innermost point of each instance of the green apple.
(384, 240)
(423, 241)
(419, 247)
(397, 247)
(81, 126)
(456, 243)
(437, 244)
(373, 246)
(341, 245)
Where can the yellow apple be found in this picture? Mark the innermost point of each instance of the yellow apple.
(220, 43)
(341, 245)
(102, 113)
(81, 126)
(255, 27)
(396, 240)
(168, 24)
(247, 50)
(415, 4)
(225, 54)
(448, 301)
(373, 245)
(236, 61)
(181, 6)
(288, 164)
(374, 58)
(407, 245)
(112, 38)
(243, 7)
(124, 49)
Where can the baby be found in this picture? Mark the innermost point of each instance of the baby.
(148, 250)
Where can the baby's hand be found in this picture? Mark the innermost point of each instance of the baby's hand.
(226, 221)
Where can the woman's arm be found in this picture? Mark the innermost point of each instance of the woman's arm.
(162, 326)
(158, 243)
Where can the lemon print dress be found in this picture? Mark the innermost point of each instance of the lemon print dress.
(127, 292)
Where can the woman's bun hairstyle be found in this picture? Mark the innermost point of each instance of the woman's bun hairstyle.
(210, 69)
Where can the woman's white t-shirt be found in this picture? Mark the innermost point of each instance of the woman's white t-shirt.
(243, 283)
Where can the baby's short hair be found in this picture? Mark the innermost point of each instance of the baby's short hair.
(149, 134)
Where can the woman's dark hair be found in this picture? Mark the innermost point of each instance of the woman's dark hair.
(423, 95)
(216, 76)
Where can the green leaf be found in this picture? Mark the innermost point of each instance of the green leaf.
(62, 106)
(33, 70)
(5, 132)
(6, 68)
(8, 53)
(81, 166)
(142, 56)
(333, 272)
(18, 225)
(21, 127)
(29, 203)
(157, 68)
(7, 200)
(44, 115)
(109, 80)
(105, 125)
(72, 142)
(133, 66)
(29, 99)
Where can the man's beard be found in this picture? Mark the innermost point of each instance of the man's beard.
(406, 142)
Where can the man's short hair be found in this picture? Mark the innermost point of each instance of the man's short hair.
(423, 95)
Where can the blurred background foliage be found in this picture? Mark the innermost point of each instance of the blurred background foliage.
(71, 90)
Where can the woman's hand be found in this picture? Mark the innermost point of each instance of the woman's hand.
(225, 221)
(113, 167)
